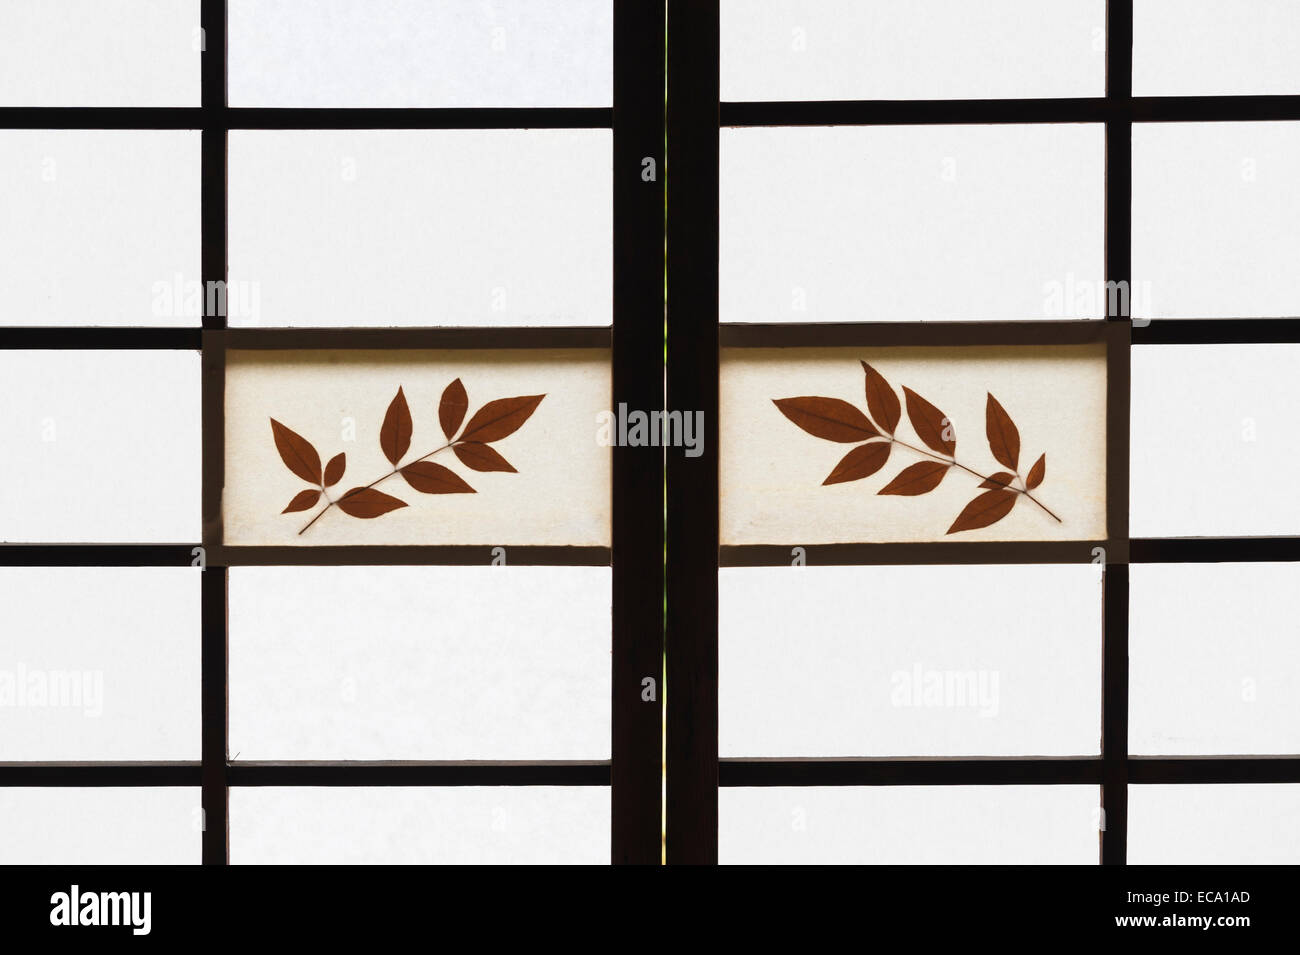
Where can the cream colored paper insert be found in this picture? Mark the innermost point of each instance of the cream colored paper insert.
(772, 471)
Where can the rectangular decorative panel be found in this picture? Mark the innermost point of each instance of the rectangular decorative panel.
(101, 825)
(1236, 824)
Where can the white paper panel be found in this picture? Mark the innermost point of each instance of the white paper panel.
(921, 49)
(409, 53)
(100, 227)
(911, 223)
(101, 826)
(100, 446)
(450, 825)
(1216, 220)
(1214, 666)
(420, 663)
(421, 227)
(99, 53)
(1233, 824)
(910, 661)
(909, 825)
(1213, 441)
(99, 663)
(1215, 47)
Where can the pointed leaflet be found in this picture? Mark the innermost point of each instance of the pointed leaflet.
(452, 408)
(497, 419)
(429, 478)
(481, 457)
(828, 418)
(1037, 472)
(1001, 479)
(989, 508)
(862, 461)
(917, 479)
(1004, 438)
(334, 470)
(395, 435)
(303, 500)
(296, 452)
(367, 502)
(881, 400)
(931, 425)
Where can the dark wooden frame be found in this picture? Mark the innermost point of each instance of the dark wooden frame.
(634, 772)
(695, 116)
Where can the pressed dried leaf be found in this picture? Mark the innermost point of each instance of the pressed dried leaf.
(395, 435)
(303, 500)
(334, 470)
(881, 400)
(296, 452)
(367, 502)
(1037, 472)
(1001, 479)
(452, 408)
(481, 457)
(1004, 437)
(828, 418)
(429, 478)
(862, 461)
(917, 479)
(931, 425)
(497, 419)
(989, 508)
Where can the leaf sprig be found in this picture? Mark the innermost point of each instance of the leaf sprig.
(471, 445)
(833, 419)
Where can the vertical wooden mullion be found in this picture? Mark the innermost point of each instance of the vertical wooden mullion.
(692, 520)
(636, 772)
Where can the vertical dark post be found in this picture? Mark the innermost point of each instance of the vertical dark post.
(692, 593)
(215, 794)
(638, 381)
(1119, 246)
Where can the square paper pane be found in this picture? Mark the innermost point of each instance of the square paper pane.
(101, 826)
(101, 446)
(100, 53)
(910, 661)
(1213, 443)
(848, 224)
(411, 53)
(908, 825)
(420, 663)
(99, 663)
(1215, 47)
(1235, 824)
(451, 825)
(100, 227)
(421, 227)
(922, 49)
(1214, 666)
(1216, 220)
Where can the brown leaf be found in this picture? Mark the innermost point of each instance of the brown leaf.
(429, 478)
(481, 457)
(395, 435)
(881, 400)
(452, 408)
(989, 508)
(367, 502)
(296, 452)
(497, 419)
(863, 461)
(1001, 479)
(917, 479)
(1037, 472)
(930, 424)
(1004, 438)
(303, 500)
(334, 470)
(828, 418)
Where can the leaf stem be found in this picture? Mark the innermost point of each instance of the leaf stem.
(395, 470)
